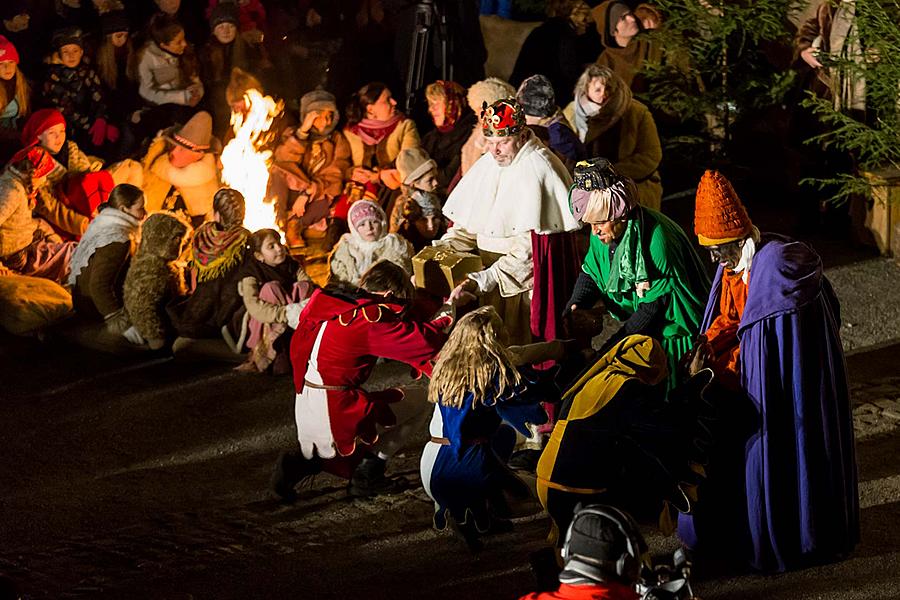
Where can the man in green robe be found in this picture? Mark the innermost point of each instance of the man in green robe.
(640, 264)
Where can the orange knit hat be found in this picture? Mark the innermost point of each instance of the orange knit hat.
(719, 216)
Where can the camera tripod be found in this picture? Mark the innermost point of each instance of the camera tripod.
(429, 19)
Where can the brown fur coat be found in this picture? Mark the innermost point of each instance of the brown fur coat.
(155, 277)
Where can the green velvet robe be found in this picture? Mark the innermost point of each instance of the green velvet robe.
(653, 249)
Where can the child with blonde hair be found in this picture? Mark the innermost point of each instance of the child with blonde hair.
(478, 392)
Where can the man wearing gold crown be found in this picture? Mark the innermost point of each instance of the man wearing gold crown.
(512, 208)
(783, 490)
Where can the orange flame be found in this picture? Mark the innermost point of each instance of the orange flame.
(246, 168)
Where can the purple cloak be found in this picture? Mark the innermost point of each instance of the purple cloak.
(799, 462)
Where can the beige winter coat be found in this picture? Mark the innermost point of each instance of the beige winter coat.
(160, 78)
(404, 136)
(17, 226)
(197, 182)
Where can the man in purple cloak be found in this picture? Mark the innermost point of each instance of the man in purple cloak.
(783, 490)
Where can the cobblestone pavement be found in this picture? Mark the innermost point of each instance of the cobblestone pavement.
(876, 406)
(145, 478)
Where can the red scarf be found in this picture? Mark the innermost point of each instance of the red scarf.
(372, 131)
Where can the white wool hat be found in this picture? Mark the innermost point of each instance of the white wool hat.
(489, 90)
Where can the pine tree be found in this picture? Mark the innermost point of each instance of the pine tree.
(714, 70)
(873, 140)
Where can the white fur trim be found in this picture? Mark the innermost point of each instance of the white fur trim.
(531, 194)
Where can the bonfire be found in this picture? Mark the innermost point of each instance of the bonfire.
(244, 166)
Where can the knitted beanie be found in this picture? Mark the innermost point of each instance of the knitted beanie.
(719, 217)
(223, 13)
(67, 35)
(39, 122)
(317, 100)
(413, 163)
(536, 96)
(364, 210)
(114, 21)
(8, 51)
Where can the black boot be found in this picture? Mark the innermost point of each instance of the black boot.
(369, 480)
(290, 469)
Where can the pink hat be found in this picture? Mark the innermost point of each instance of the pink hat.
(8, 51)
(363, 210)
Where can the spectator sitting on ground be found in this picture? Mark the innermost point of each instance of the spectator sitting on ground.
(180, 169)
(453, 123)
(156, 278)
(367, 243)
(224, 51)
(214, 308)
(78, 183)
(116, 64)
(311, 161)
(100, 262)
(417, 213)
(15, 99)
(168, 77)
(27, 245)
(272, 285)
(74, 87)
(377, 132)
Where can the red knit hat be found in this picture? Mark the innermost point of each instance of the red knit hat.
(8, 51)
(39, 122)
(719, 217)
(39, 158)
(502, 118)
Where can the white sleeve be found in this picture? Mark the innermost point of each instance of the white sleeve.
(513, 272)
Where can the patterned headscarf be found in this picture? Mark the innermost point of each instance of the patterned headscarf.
(454, 101)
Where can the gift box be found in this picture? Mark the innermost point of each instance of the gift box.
(438, 270)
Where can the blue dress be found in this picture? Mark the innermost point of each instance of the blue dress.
(467, 476)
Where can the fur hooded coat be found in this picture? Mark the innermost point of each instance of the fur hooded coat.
(352, 255)
(155, 278)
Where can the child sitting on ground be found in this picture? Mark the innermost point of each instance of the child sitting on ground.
(156, 278)
(367, 243)
(272, 284)
(417, 213)
(214, 308)
(475, 387)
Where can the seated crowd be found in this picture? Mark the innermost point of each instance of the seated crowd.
(113, 188)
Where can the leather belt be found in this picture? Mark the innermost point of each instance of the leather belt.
(320, 386)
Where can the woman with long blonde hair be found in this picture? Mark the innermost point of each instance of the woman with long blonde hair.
(475, 387)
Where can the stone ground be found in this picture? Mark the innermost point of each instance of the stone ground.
(145, 477)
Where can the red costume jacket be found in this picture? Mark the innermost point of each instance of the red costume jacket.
(352, 334)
